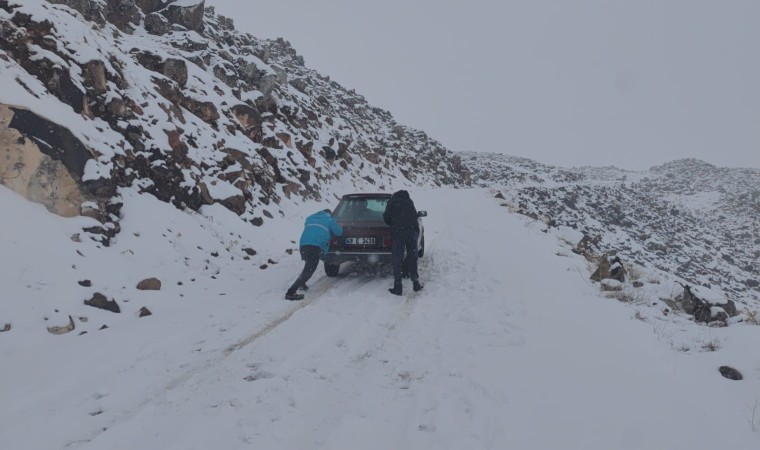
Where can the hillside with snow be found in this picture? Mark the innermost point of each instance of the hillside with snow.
(166, 97)
(698, 222)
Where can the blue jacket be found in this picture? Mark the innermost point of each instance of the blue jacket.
(317, 230)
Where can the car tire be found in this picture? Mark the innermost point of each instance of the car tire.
(421, 251)
(331, 270)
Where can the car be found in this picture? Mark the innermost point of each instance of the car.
(366, 236)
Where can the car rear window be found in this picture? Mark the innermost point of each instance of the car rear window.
(361, 209)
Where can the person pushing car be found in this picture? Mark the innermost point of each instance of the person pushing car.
(314, 243)
(401, 215)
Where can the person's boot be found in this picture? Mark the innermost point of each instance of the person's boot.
(396, 289)
(416, 286)
(293, 296)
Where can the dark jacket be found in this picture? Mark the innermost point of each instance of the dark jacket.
(400, 212)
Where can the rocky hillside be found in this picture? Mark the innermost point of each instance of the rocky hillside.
(689, 218)
(167, 96)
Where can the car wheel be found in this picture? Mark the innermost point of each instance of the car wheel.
(332, 269)
(421, 251)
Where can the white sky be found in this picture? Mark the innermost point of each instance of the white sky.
(631, 83)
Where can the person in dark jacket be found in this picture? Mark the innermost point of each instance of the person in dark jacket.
(401, 215)
(314, 243)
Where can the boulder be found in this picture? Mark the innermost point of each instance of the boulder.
(176, 69)
(144, 312)
(151, 6)
(124, 14)
(730, 373)
(45, 174)
(608, 267)
(186, 14)
(95, 77)
(90, 10)
(149, 284)
(100, 301)
(157, 24)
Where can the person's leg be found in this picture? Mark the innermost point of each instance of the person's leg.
(411, 251)
(310, 255)
(397, 256)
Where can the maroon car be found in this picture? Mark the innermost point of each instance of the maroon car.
(366, 237)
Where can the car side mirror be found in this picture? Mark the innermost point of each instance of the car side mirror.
(421, 213)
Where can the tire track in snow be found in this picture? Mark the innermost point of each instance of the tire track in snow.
(318, 290)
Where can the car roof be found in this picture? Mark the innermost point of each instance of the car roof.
(367, 195)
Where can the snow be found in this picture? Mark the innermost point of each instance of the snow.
(95, 170)
(186, 3)
(509, 345)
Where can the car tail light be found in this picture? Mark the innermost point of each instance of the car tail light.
(387, 240)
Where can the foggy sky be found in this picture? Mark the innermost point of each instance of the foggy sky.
(631, 83)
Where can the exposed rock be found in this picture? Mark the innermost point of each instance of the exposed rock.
(55, 141)
(149, 60)
(250, 119)
(100, 301)
(235, 203)
(85, 283)
(63, 329)
(730, 373)
(149, 284)
(95, 77)
(151, 6)
(176, 69)
(33, 161)
(609, 268)
(249, 251)
(730, 308)
(717, 313)
(700, 309)
(144, 312)
(190, 17)
(7, 327)
(90, 10)
(157, 24)
(123, 13)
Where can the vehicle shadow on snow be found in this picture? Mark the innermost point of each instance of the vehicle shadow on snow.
(366, 270)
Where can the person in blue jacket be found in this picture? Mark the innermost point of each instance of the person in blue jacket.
(315, 241)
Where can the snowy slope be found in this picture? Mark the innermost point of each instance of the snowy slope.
(508, 346)
(690, 219)
(167, 97)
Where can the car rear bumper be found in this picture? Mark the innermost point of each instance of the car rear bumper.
(363, 256)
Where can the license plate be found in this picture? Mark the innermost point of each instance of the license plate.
(360, 241)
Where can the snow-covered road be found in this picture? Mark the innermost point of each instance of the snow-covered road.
(507, 346)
